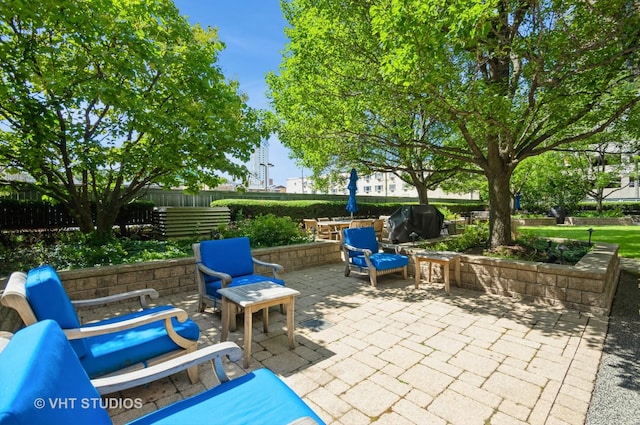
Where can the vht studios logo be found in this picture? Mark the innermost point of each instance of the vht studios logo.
(87, 403)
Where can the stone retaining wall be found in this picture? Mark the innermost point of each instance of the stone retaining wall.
(171, 276)
(574, 221)
(539, 221)
(599, 221)
(588, 286)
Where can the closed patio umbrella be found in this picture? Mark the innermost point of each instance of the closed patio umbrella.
(352, 205)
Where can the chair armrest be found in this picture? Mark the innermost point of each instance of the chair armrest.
(88, 331)
(277, 268)
(224, 277)
(305, 420)
(142, 293)
(215, 353)
(366, 252)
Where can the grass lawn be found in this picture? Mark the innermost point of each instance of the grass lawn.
(627, 237)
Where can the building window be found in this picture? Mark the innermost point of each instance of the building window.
(392, 187)
(379, 188)
(378, 176)
(367, 189)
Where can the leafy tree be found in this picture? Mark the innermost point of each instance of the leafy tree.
(603, 159)
(549, 180)
(601, 166)
(506, 80)
(101, 98)
(336, 110)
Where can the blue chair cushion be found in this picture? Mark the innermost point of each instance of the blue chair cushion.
(212, 287)
(231, 256)
(114, 351)
(257, 398)
(42, 379)
(49, 300)
(361, 237)
(382, 261)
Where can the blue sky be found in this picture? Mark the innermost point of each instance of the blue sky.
(252, 31)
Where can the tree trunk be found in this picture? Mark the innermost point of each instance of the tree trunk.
(104, 223)
(498, 173)
(599, 198)
(423, 197)
(83, 217)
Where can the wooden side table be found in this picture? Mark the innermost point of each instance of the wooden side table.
(438, 257)
(254, 297)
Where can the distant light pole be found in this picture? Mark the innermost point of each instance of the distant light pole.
(266, 174)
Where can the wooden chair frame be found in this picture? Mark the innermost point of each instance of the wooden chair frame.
(15, 297)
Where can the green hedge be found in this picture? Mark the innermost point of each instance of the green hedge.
(299, 210)
(626, 207)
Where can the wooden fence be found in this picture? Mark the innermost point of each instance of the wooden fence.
(184, 222)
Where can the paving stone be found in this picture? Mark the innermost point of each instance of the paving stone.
(351, 371)
(370, 398)
(390, 383)
(513, 349)
(476, 393)
(540, 412)
(475, 363)
(568, 415)
(500, 418)
(354, 417)
(426, 379)
(458, 409)
(513, 410)
(512, 388)
(483, 333)
(285, 362)
(554, 370)
(332, 404)
(415, 414)
(401, 356)
(443, 342)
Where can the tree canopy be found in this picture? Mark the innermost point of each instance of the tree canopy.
(337, 110)
(101, 98)
(504, 80)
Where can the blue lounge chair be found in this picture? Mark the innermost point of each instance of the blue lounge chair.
(228, 262)
(43, 382)
(138, 339)
(361, 252)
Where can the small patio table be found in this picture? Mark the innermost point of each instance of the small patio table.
(254, 297)
(438, 257)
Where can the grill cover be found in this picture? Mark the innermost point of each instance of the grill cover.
(425, 220)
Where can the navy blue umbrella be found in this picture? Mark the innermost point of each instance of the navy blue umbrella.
(352, 206)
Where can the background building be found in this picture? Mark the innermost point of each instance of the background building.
(259, 166)
(376, 184)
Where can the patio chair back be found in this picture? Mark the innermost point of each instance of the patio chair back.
(360, 223)
(231, 256)
(38, 370)
(49, 300)
(361, 237)
(378, 227)
(227, 262)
